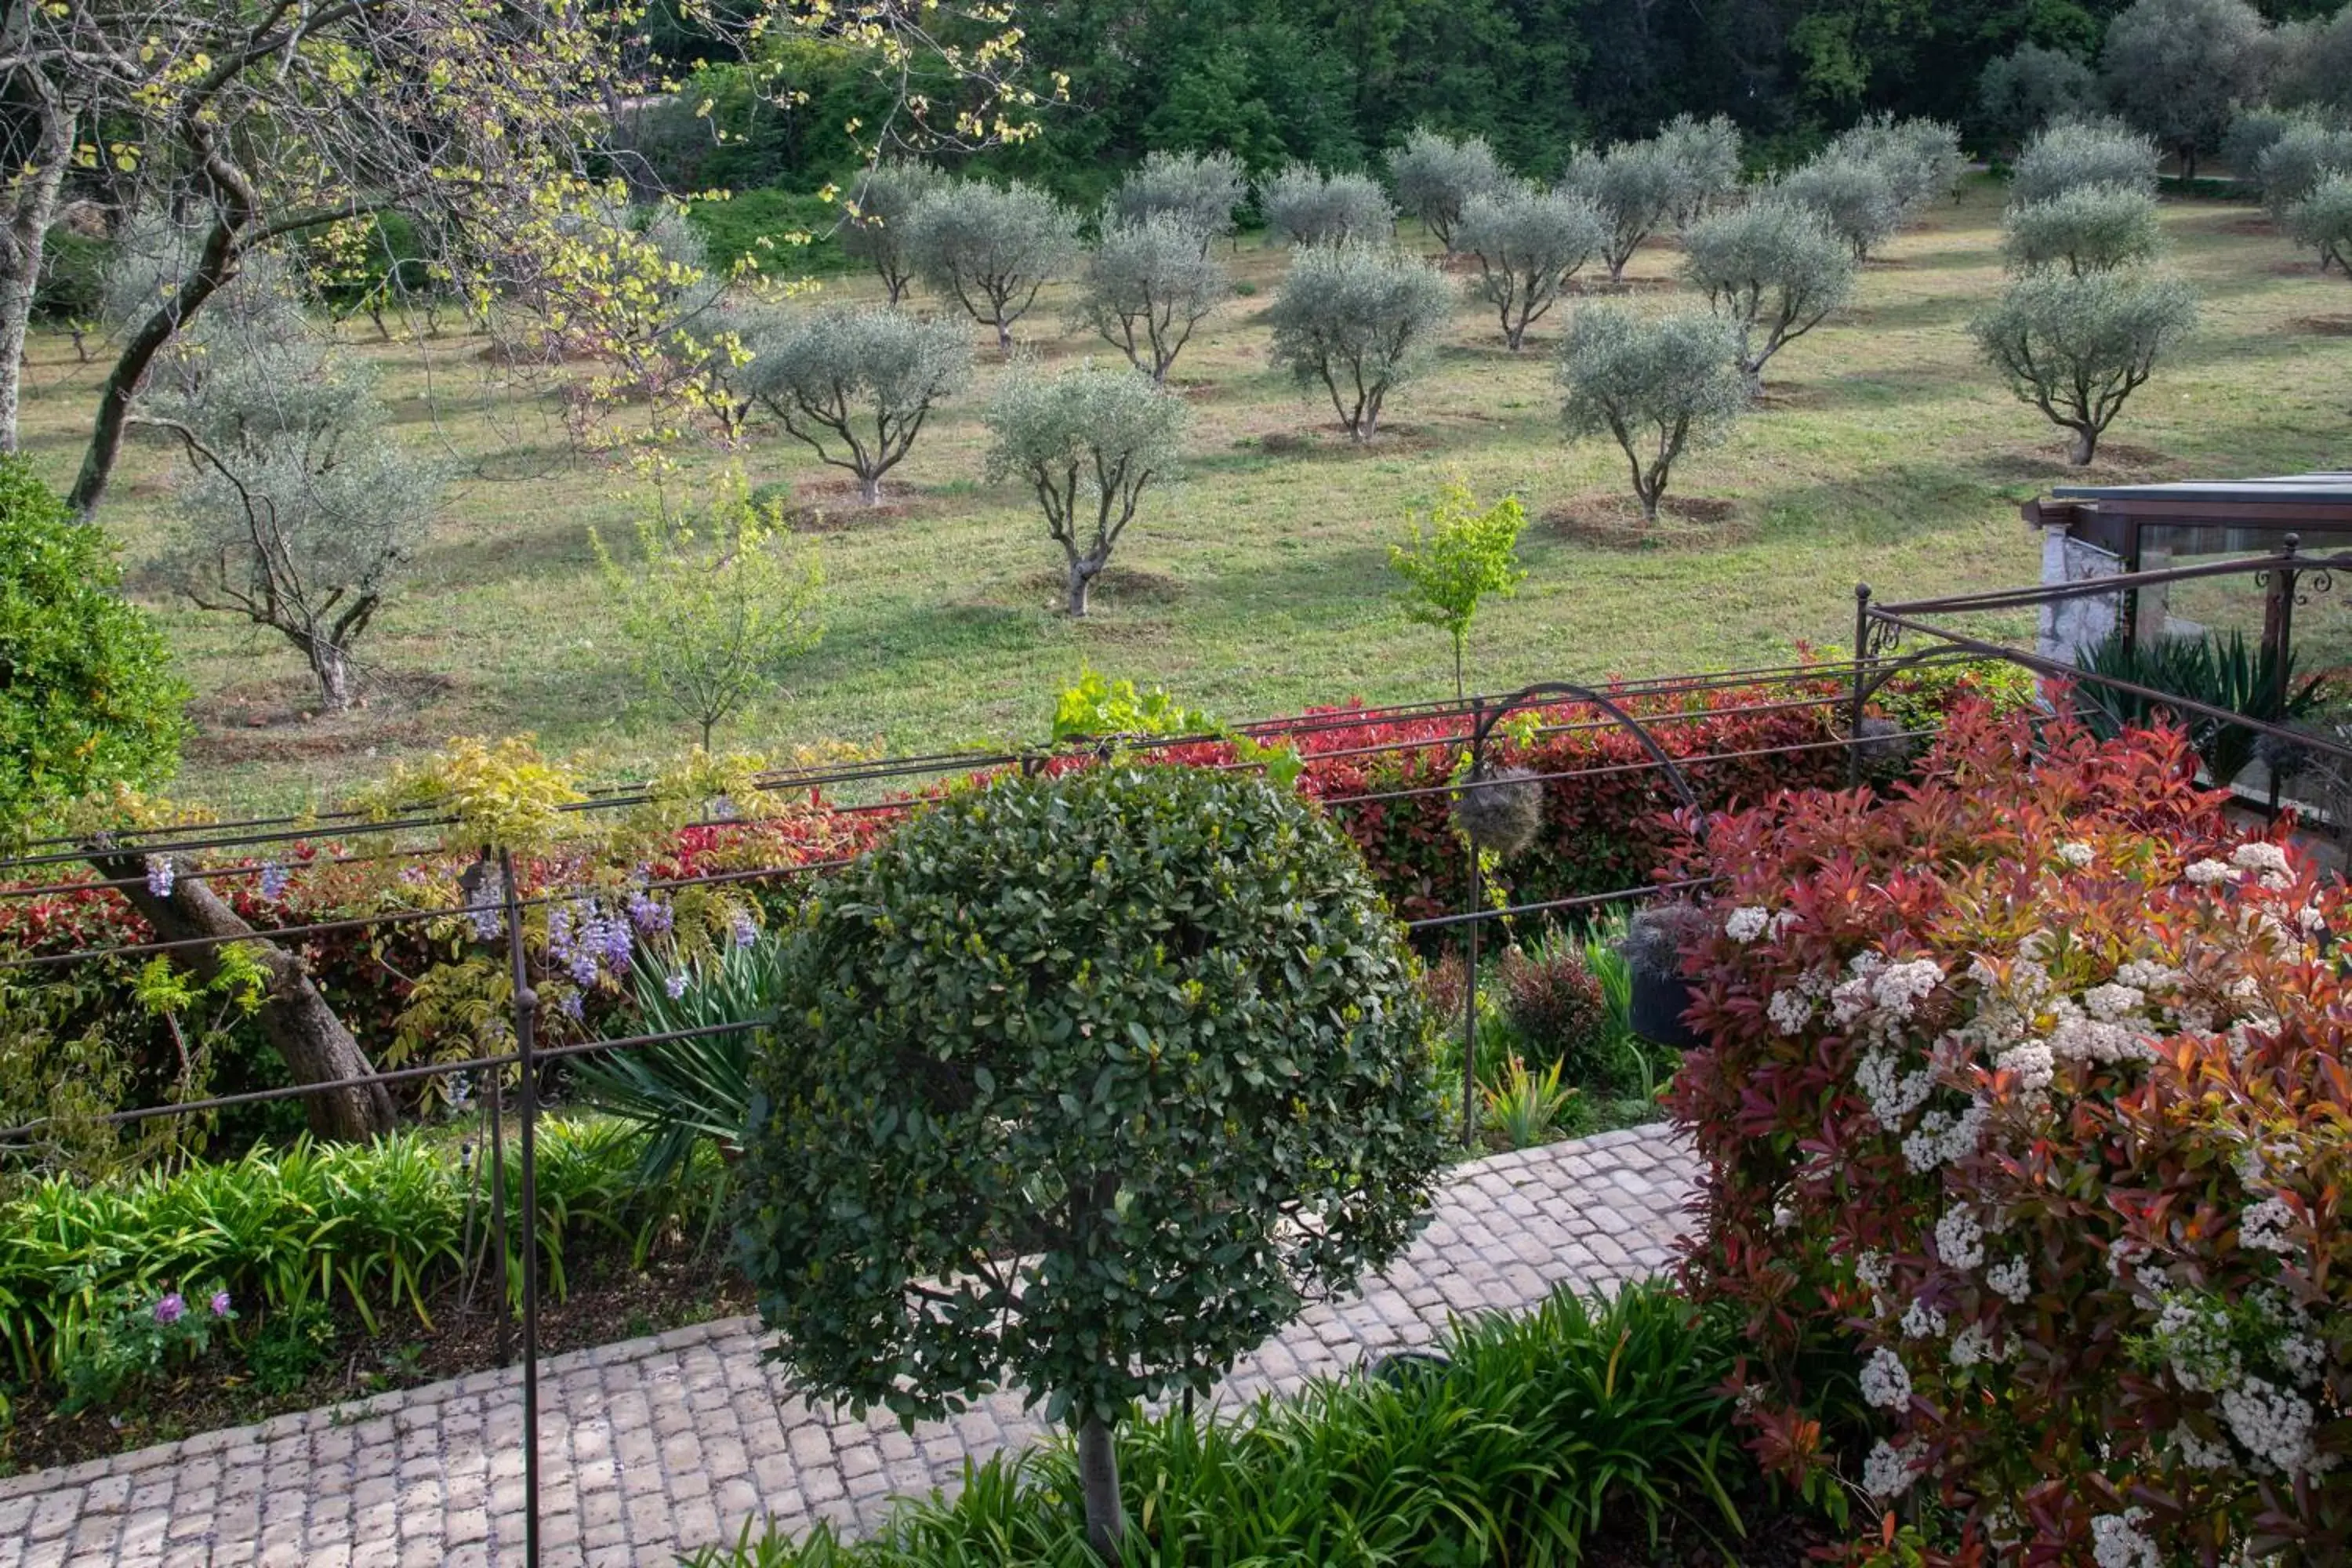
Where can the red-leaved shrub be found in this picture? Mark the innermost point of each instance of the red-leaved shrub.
(2026, 1095)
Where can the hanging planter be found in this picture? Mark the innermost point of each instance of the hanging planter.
(1653, 947)
(1500, 811)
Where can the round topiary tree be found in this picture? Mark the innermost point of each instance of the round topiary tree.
(2090, 228)
(1084, 1084)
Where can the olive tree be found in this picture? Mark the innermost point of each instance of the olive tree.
(1083, 1085)
(2314, 67)
(1854, 197)
(1704, 156)
(2078, 347)
(991, 248)
(2025, 91)
(300, 511)
(1772, 270)
(2072, 153)
(1087, 441)
(873, 230)
(2323, 220)
(1358, 320)
(1147, 285)
(1307, 206)
(1656, 384)
(1528, 243)
(855, 386)
(1920, 158)
(2181, 69)
(1435, 177)
(2306, 152)
(1632, 186)
(2091, 228)
(2253, 132)
(1197, 190)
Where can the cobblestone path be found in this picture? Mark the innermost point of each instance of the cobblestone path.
(660, 1445)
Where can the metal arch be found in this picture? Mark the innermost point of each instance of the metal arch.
(1887, 669)
(1487, 718)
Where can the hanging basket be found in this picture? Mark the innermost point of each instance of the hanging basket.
(1500, 811)
(1653, 948)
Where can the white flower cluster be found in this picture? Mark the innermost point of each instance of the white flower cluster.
(1900, 987)
(2076, 853)
(1746, 923)
(1789, 1010)
(1970, 1346)
(2194, 1335)
(2031, 1062)
(1959, 1239)
(2197, 1453)
(1888, 1471)
(2210, 873)
(1921, 1322)
(1875, 1270)
(2267, 861)
(2012, 1280)
(2263, 1228)
(2117, 1540)
(1893, 1093)
(1943, 1136)
(2273, 1424)
(1885, 1381)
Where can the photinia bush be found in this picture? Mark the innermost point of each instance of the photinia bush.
(2026, 1096)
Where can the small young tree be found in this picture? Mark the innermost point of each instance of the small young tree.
(2077, 153)
(1463, 555)
(1034, 1114)
(1149, 284)
(1854, 198)
(1704, 156)
(2181, 69)
(1198, 190)
(1920, 158)
(1358, 320)
(855, 385)
(714, 604)
(991, 248)
(1771, 269)
(1305, 207)
(1656, 384)
(2091, 228)
(1087, 441)
(881, 200)
(2323, 220)
(1435, 177)
(2022, 94)
(88, 696)
(2078, 347)
(1632, 186)
(2306, 152)
(301, 513)
(1528, 245)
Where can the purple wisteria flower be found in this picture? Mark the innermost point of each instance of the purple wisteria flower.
(220, 1303)
(675, 984)
(171, 1309)
(274, 877)
(648, 914)
(160, 874)
(569, 1004)
(746, 930)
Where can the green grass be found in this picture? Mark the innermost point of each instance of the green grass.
(1885, 452)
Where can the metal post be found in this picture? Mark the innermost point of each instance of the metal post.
(504, 1340)
(526, 1009)
(1853, 710)
(1470, 933)
(2278, 637)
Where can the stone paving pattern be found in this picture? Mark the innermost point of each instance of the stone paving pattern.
(658, 1445)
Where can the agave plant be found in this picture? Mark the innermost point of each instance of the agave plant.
(2222, 672)
(685, 1093)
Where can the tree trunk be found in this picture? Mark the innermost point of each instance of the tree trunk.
(298, 1023)
(2086, 447)
(869, 488)
(1003, 334)
(22, 247)
(332, 666)
(1098, 1482)
(1083, 573)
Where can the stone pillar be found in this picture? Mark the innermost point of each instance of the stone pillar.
(2072, 625)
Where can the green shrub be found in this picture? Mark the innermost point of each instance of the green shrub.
(756, 224)
(89, 698)
(291, 1345)
(72, 286)
(1535, 1431)
(1557, 1006)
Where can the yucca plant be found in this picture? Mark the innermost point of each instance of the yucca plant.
(1524, 1108)
(2220, 671)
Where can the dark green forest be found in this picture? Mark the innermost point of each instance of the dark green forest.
(1337, 81)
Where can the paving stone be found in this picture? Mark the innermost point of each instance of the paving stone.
(657, 1446)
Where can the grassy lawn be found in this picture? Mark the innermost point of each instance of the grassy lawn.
(1885, 452)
